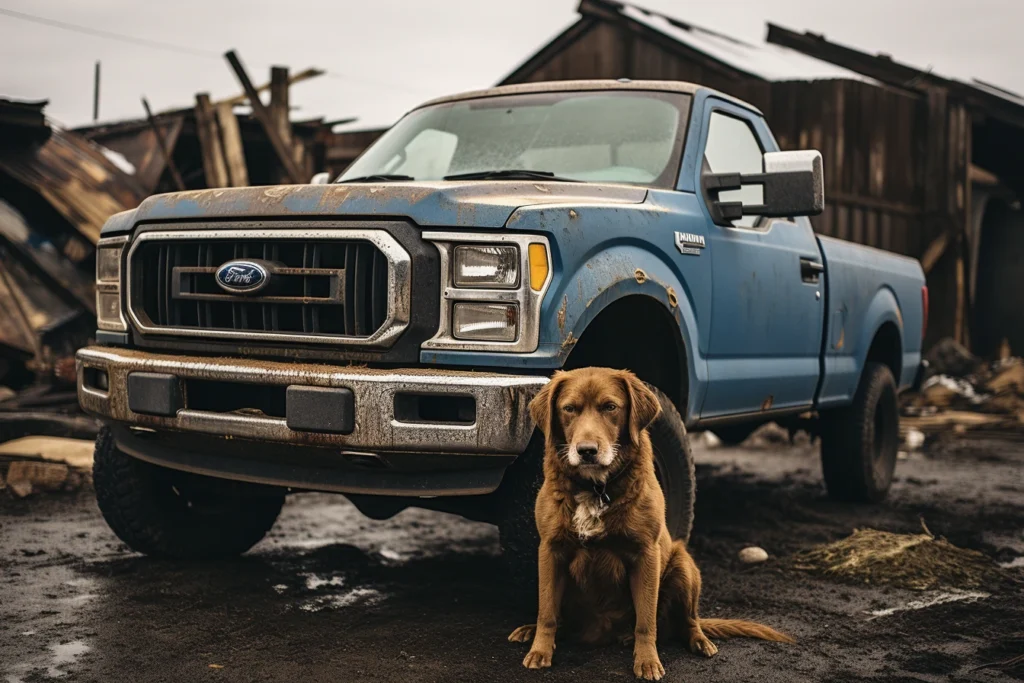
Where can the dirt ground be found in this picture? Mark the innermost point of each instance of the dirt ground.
(333, 596)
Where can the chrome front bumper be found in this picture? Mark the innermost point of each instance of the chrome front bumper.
(502, 424)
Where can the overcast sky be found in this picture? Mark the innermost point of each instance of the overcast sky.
(384, 56)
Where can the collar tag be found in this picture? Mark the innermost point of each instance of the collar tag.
(602, 494)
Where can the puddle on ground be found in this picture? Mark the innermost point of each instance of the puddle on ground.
(57, 662)
(356, 596)
(931, 601)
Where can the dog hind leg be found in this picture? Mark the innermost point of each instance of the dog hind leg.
(681, 583)
(523, 634)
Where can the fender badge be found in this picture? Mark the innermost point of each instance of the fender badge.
(688, 243)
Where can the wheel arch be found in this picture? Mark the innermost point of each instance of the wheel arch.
(881, 337)
(637, 332)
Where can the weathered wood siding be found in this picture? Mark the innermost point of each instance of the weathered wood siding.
(884, 186)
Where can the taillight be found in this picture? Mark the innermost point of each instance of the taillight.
(924, 311)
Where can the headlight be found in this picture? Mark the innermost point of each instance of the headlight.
(486, 322)
(478, 265)
(108, 264)
(492, 288)
(108, 284)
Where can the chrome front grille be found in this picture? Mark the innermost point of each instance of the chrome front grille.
(328, 286)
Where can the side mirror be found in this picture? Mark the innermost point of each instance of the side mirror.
(322, 178)
(792, 185)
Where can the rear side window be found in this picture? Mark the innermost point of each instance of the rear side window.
(732, 147)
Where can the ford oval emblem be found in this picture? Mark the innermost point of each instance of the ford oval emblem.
(242, 277)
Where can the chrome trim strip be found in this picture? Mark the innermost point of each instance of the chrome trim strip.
(503, 425)
(529, 300)
(399, 285)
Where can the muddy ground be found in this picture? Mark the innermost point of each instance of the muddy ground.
(333, 596)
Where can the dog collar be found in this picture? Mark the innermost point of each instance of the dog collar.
(599, 488)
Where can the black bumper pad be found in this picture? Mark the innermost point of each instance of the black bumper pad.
(154, 393)
(320, 409)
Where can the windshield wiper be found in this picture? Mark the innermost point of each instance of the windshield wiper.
(378, 177)
(508, 174)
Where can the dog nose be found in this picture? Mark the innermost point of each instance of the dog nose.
(587, 451)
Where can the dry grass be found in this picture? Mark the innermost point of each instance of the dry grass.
(915, 561)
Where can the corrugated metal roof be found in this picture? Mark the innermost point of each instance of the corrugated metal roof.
(770, 62)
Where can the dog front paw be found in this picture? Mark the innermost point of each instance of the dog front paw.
(538, 659)
(523, 634)
(647, 666)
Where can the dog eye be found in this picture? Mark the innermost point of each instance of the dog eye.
(609, 407)
(569, 409)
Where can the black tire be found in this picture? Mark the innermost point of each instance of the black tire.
(673, 464)
(735, 434)
(859, 443)
(169, 514)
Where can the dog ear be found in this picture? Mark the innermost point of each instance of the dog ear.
(644, 407)
(542, 407)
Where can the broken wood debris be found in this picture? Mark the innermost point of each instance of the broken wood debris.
(966, 394)
(39, 464)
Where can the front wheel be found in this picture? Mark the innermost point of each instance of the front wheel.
(859, 442)
(673, 464)
(165, 513)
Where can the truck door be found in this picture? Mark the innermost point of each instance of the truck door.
(767, 285)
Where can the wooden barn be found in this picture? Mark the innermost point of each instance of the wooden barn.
(914, 163)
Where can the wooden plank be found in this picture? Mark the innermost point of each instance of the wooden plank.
(209, 142)
(873, 203)
(959, 321)
(279, 109)
(231, 140)
(304, 75)
(284, 153)
(164, 147)
(935, 251)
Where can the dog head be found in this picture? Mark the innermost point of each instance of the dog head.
(594, 417)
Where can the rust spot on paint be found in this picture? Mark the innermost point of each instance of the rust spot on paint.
(561, 314)
(569, 342)
(842, 338)
(573, 215)
(640, 275)
(673, 301)
(767, 403)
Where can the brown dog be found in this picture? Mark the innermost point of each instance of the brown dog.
(606, 558)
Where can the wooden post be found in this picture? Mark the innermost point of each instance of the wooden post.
(96, 92)
(231, 139)
(209, 142)
(162, 143)
(284, 153)
(279, 108)
(279, 102)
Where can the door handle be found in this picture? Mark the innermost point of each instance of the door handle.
(810, 270)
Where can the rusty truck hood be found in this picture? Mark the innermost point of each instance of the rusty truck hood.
(469, 204)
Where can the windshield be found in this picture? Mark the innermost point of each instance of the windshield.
(627, 136)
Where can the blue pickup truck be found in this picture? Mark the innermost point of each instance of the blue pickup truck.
(381, 336)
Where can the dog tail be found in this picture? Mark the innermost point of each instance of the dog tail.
(737, 628)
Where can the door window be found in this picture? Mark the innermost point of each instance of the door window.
(732, 147)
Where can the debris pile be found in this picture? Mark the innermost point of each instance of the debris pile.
(38, 464)
(57, 189)
(964, 393)
(915, 561)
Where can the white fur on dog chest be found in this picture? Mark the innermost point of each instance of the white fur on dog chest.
(587, 519)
